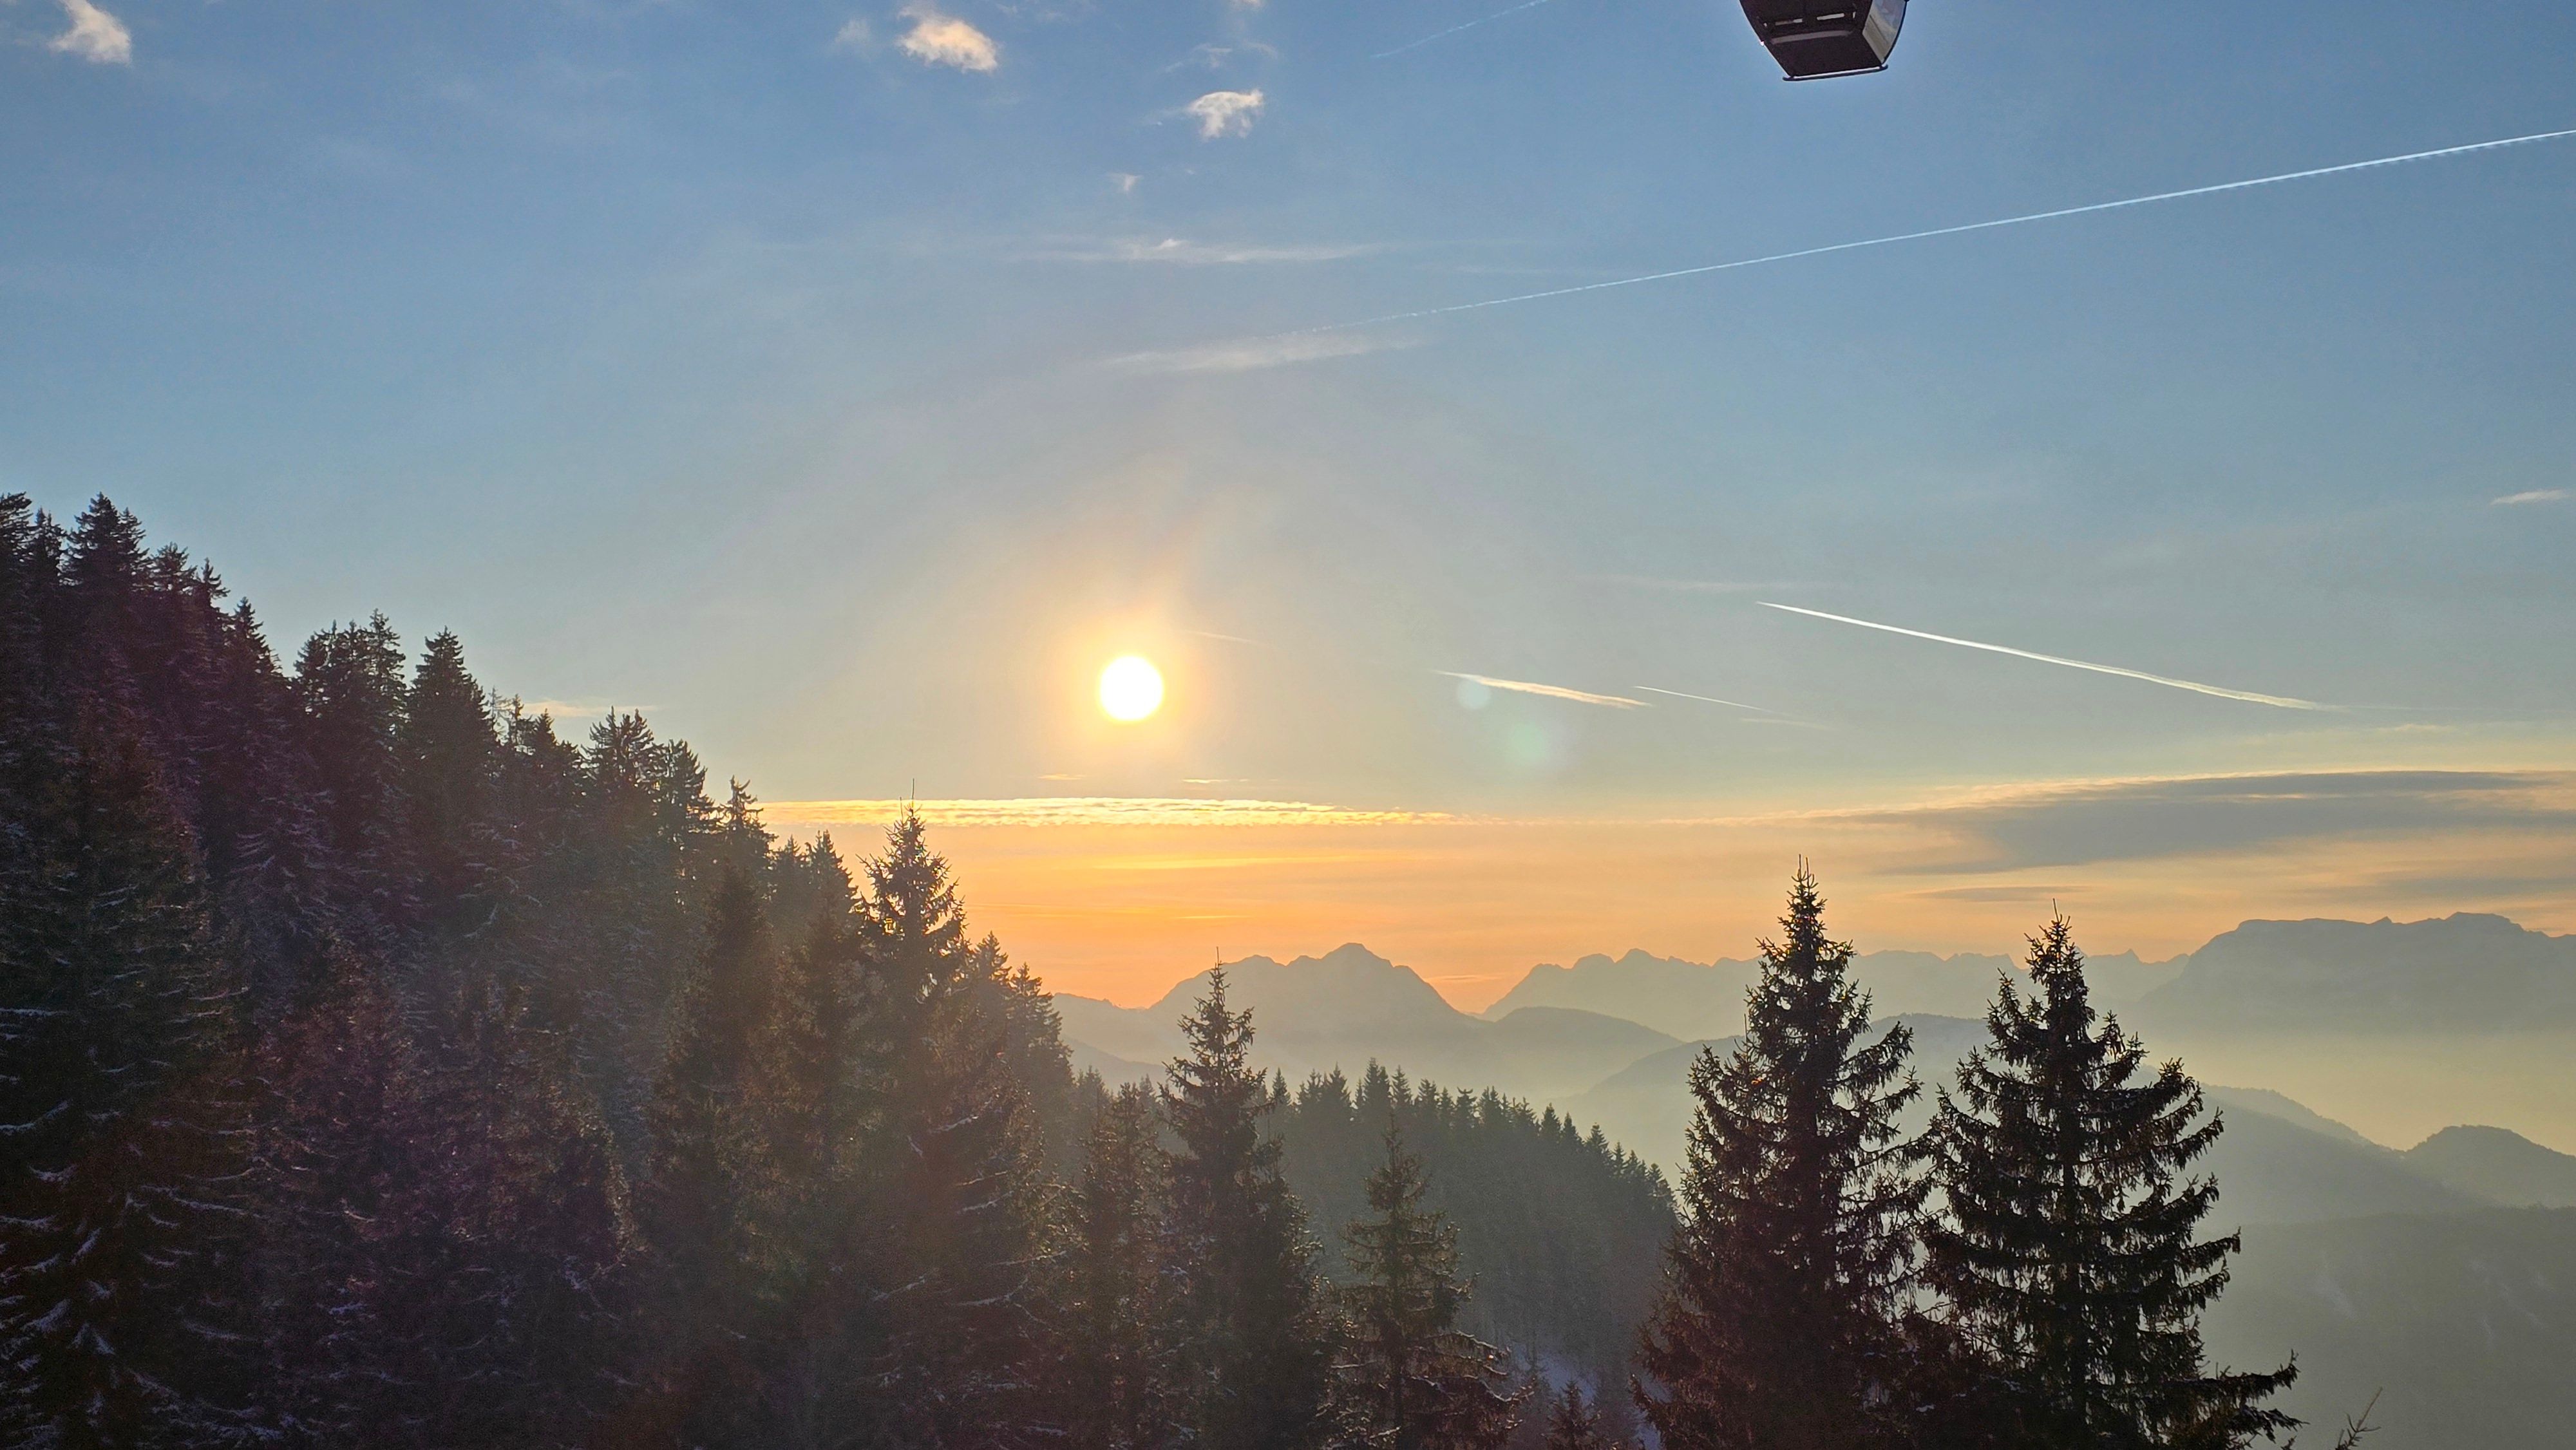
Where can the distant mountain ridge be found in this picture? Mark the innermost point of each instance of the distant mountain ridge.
(1706, 999)
(1351, 1006)
(2498, 1165)
(2416, 1272)
(2268, 1000)
(2464, 973)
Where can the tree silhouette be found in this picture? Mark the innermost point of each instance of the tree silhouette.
(2068, 1255)
(1255, 1348)
(1778, 1323)
(1409, 1379)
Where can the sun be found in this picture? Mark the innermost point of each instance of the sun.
(1131, 688)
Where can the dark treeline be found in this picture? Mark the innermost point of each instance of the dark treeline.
(379, 1068)
(1563, 1232)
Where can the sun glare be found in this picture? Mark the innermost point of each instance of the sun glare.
(1131, 688)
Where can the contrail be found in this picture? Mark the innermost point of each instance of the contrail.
(1704, 699)
(1454, 29)
(2282, 702)
(1553, 692)
(1889, 241)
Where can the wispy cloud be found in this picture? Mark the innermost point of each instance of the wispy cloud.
(1254, 353)
(2069, 823)
(856, 35)
(1087, 811)
(2534, 495)
(1553, 692)
(1225, 113)
(1214, 56)
(2278, 702)
(1180, 251)
(1124, 182)
(579, 709)
(937, 39)
(95, 35)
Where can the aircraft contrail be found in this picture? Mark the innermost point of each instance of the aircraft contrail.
(1705, 699)
(1553, 692)
(1454, 29)
(2281, 702)
(1952, 231)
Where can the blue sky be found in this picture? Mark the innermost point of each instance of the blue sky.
(845, 403)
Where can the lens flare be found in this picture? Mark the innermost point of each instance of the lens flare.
(1131, 688)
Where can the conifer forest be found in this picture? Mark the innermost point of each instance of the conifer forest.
(381, 1065)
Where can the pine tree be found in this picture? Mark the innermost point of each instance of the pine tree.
(1778, 1323)
(642, 830)
(120, 1208)
(1255, 1338)
(1032, 1045)
(545, 1243)
(445, 760)
(807, 882)
(2068, 1255)
(1118, 1350)
(820, 1061)
(741, 843)
(710, 1193)
(1407, 1378)
(1574, 1422)
(351, 681)
(959, 1237)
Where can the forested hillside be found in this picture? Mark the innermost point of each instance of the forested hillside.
(379, 1068)
(384, 1068)
(1562, 1231)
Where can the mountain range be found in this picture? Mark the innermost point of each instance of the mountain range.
(2425, 1012)
(1351, 1006)
(2441, 1277)
(1706, 999)
(2466, 973)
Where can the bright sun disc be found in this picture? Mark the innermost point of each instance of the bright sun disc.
(1131, 688)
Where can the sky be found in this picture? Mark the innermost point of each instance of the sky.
(844, 385)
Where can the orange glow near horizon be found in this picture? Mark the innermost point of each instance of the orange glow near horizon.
(1121, 899)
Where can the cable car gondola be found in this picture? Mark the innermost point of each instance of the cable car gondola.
(1813, 39)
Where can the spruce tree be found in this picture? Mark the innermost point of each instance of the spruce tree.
(2068, 1254)
(1408, 1379)
(1032, 1045)
(1253, 1328)
(1574, 1423)
(353, 1223)
(1777, 1326)
(1118, 1390)
(351, 681)
(958, 1238)
(122, 1194)
(708, 1193)
(445, 759)
(546, 1242)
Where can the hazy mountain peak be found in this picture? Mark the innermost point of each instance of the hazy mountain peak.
(2497, 1164)
(1348, 979)
(2470, 971)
